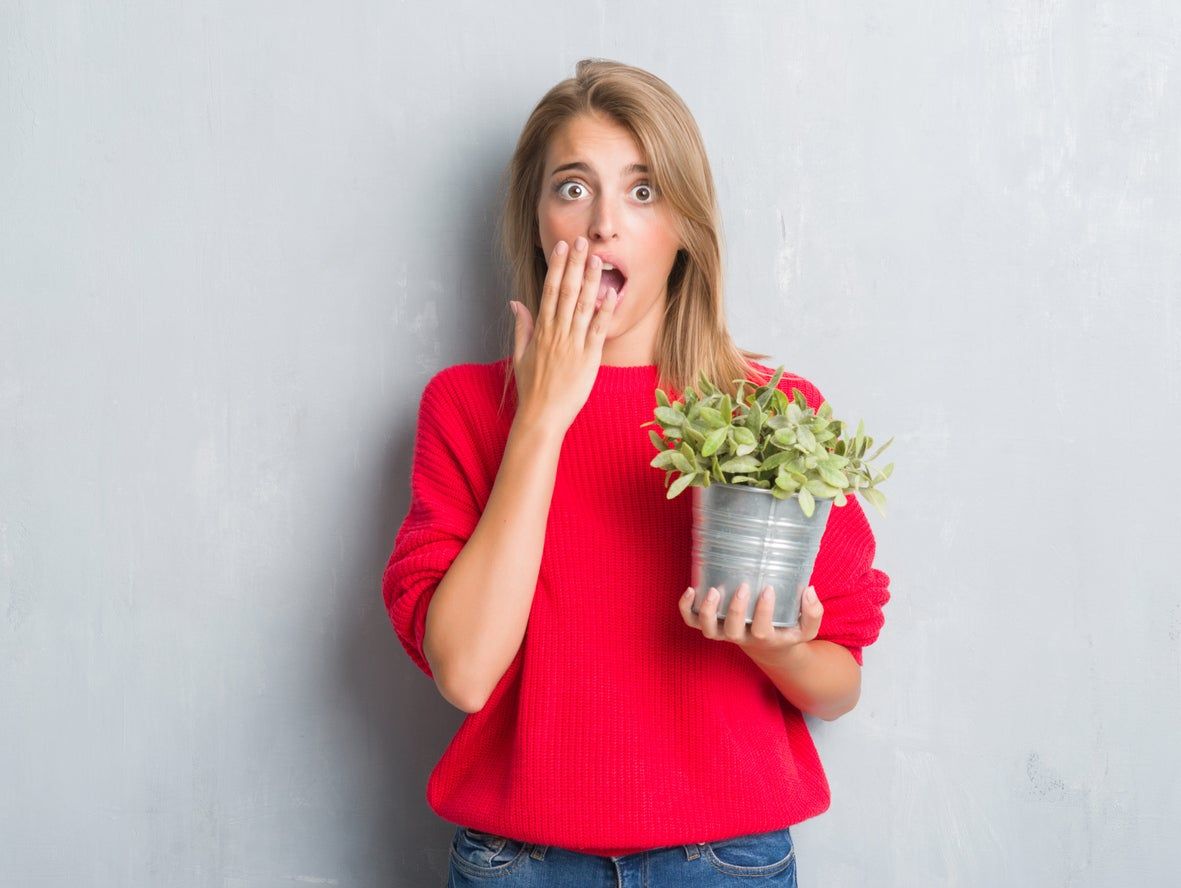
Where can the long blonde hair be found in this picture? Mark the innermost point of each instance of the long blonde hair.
(694, 339)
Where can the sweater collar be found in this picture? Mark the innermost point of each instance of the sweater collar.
(615, 381)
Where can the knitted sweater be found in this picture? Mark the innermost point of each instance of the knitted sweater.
(616, 728)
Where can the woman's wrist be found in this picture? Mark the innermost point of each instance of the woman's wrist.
(538, 429)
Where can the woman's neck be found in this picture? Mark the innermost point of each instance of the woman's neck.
(636, 346)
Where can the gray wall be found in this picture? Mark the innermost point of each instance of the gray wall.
(235, 241)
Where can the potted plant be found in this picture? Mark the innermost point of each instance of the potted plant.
(765, 470)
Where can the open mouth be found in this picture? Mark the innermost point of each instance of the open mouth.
(611, 278)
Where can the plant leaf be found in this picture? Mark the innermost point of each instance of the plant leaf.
(880, 449)
(876, 498)
(680, 484)
(670, 416)
(819, 489)
(806, 502)
(692, 434)
(713, 441)
(664, 459)
(775, 460)
(833, 476)
(786, 482)
(714, 418)
(741, 464)
(743, 435)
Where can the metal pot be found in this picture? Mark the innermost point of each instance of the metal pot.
(746, 534)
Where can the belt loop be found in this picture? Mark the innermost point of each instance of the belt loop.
(692, 852)
(538, 852)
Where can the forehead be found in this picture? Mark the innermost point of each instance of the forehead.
(593, 140)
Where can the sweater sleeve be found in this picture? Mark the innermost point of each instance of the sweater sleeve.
(851, 589)
(443, 514)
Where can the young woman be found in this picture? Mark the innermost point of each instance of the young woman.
(540, 576)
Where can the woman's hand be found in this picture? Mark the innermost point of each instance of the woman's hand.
(760, 640)
(556, 359)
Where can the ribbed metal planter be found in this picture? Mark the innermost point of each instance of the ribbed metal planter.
(746, 534)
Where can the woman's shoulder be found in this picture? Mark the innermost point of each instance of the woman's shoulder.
(470, 378)
(474, 396)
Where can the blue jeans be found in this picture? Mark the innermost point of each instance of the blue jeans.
(479, 858)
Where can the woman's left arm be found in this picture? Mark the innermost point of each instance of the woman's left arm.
(818, 677)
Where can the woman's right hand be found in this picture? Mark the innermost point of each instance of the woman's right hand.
(556, 358)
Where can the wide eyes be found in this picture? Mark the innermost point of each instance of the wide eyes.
(572, 189)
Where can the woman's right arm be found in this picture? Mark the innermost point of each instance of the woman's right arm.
(476, 619)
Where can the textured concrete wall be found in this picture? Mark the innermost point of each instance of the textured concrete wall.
(236, 239)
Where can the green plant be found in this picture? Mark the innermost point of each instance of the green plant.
(763, 439)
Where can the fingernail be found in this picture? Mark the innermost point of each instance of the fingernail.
(766, 593)
(580, 242)
(743, 592)
(714, 595)
(560, 248)
(687, 593)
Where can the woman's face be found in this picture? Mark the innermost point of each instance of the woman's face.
(595, 185)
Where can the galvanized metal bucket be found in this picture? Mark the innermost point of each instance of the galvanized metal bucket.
(746, 534)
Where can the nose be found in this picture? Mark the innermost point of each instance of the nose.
(602, 225)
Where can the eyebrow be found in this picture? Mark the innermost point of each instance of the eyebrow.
(582, 167)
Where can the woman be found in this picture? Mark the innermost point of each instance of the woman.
(613, 734)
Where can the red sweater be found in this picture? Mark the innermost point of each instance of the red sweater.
(616, 728)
